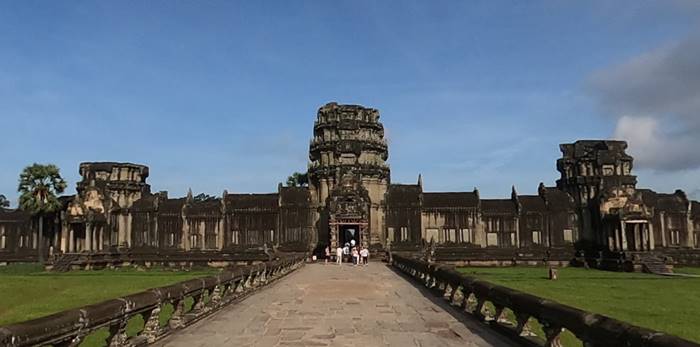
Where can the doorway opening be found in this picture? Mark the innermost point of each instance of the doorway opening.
(349, 234)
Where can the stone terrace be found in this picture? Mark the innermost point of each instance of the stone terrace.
(328, 305)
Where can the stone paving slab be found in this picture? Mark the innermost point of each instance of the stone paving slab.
(331, 305)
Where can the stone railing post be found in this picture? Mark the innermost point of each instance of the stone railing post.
(552, 332)
(117, 331)
(216, 294)
(177, 320)
(151, 328)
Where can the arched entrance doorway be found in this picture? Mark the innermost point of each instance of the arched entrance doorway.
(349, 214)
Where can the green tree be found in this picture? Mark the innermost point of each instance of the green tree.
(4, 202)
(39, 187)
(298, 179)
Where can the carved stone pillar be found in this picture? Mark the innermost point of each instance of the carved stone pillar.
(663, 228)
(71, 239)
(100, 237)
(64, 237)
(364, 235)
(88, 237)
(623, 233)
(334, 237)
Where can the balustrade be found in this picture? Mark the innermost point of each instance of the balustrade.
(208, 294)
(512, 312)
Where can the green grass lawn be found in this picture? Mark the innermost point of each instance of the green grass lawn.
(656, 302)
(28, 292)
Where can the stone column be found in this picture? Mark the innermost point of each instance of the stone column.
(95, 238)
(662, 218)
(610, 235)
(220, 233)
(128, 230)
(650, 228)
(88, 237)
(334, 236)
(623, 233)
(121, 227)
(71, 239)
(516, 220)
(64, 237)
(100, 238)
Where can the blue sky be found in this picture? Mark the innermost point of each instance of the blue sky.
(223, 95)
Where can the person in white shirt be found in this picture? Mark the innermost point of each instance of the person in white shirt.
(346, 252)
(339, 255)
(364, 253)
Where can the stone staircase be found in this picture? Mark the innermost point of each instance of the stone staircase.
(64, 262)
(652, 263)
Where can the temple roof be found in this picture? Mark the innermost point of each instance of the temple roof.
(532, 203)
(450, 199)
(252, 201)
(695, 209)
(558, 200)
(205, 206)
(403, 194)
(295, 196)
(13, 215)
(497, 206)
(172, 205)
(674, 202)
(671, 202)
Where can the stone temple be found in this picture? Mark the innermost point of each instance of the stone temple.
(594, 211)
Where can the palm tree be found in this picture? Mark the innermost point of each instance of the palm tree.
(298, 179)
(39, 187)
(4, 202)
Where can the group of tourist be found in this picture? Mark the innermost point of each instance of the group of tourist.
(359, 255)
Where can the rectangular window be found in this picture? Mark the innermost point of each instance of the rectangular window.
(512, 239)
(211, 240)
(608, 170)
(404, 233)
(675, 237)
(171, 240)
(466, 235)
(491, 239)
(252, 237)
(114, 237)
(193, 241)
(390, 234)
(451, 235)
(568, 235)
(431, 235)
(235, 237)
(536, 237)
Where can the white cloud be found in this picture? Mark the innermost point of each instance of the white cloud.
(653, 147)
(655, 98)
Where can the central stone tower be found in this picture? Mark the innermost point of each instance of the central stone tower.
(348, 175)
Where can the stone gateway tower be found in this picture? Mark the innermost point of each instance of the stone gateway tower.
(348, 175)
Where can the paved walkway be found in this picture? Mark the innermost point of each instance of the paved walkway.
(330, 305)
